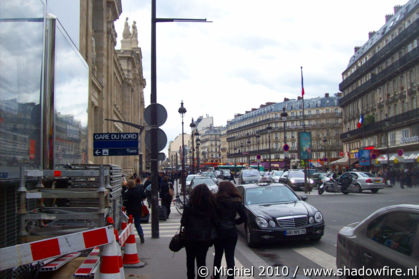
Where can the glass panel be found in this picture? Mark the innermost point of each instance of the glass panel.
(22, 9)
(21, 54)
(71, 100)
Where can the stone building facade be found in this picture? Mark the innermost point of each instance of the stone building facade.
(380, 86)
(261, 132)
(116, 82)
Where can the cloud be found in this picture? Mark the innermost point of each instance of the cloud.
(252, 51)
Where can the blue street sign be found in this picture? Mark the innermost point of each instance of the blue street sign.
(115, 144)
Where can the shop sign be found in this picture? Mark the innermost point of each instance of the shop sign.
(409, 139)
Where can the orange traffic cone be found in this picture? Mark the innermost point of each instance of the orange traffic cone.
(110, 262)
(130, 258)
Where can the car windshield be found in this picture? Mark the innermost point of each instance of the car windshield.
(247, 173)
(189, 177)
(208, 181)
(277, 173)
(365, 174)
(296, 174)
(269, 195)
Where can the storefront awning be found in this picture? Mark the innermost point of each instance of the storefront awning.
(407, 157)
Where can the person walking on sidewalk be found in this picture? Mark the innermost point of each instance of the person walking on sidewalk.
(166, 198)
(133, 203)
(199, 222)
(228, 204)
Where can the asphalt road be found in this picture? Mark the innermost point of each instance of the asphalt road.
(338, 210)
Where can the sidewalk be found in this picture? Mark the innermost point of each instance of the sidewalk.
(159, 261)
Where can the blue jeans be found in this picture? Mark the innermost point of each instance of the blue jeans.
(137, 223)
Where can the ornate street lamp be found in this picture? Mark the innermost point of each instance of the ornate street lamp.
(325, 151)
(387, 124)
(258, 155)
(248, 152)
(198, 143)
(192, 125)
(284, 116)
(182, 111)
(269, 128)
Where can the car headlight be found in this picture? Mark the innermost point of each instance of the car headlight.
(261, 222)
(311, 220)
(318, 217)
(272, 223)
(311, 181)
(292, 180)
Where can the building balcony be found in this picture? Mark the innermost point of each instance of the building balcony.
(394, 69)
(405, 36)
(401, 120)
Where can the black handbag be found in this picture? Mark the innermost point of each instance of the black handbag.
(178, 241)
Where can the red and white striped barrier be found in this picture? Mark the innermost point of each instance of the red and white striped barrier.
(26, 253)
(123, 236)
(59, 262)
(88, 267)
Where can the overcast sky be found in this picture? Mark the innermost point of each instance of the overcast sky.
(251, 53)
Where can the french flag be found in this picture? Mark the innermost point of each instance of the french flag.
(360, 121)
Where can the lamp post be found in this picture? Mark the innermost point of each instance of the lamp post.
(182, 111)
(387, 124)
(248, 152)
(258, 155)
(198, 143)
(284, 116)
(269, 128)
(325, 151)
(192, 125)
(235, 166)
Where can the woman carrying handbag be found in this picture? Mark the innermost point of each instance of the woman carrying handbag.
(199, 223)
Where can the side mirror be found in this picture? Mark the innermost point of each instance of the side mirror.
(303, 197)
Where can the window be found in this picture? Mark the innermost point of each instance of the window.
(395, 230)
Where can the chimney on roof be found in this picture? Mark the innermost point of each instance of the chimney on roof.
(286, 99)
(299, 98)
(370, 34)
(397, 8)
(388, 17)
(356, 49)
(326, 95)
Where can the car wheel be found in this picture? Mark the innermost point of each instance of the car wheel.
(375, 191)
(357, 188)
(320, 190)
(249, 237)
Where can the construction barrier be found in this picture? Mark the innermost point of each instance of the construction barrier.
(30, 252)
(131, 258)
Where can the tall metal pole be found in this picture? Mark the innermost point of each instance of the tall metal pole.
(304, 128)
(192, 125)
(269, 146)
(258, 155)
(153, 131)
(182, 111)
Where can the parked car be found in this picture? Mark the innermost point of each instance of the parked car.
(203, 180)
(275, 212)
(189, 179)
(388, 237)
(366, 181)
(247, 176)
(319, 178)
(295, 179)
(276, 174)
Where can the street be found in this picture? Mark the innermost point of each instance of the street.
(338, 210)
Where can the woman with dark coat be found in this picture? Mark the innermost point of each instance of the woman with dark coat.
(199, 222)
(166, 198)
(133, 201)
(229, 204)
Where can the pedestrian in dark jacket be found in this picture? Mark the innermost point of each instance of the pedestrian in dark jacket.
(199, 222)
(166, 198)
(133, 203)
(229, 204)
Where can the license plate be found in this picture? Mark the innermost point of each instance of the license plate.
(295, 232)
(377, 181)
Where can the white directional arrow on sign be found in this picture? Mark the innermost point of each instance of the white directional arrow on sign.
(97, 152)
